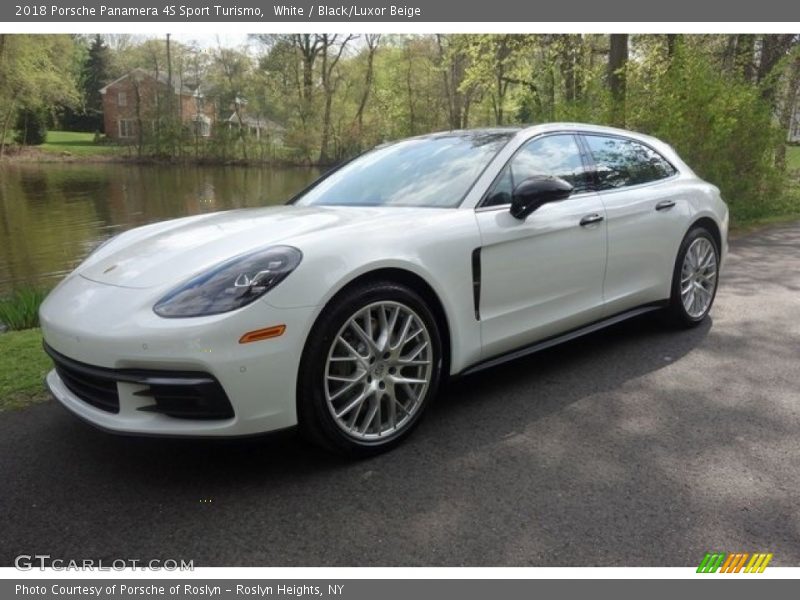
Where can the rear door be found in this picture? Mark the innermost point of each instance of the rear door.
(646, 216)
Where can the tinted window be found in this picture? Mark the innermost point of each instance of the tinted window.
(436, 171)
(555, 155)
(621, 162)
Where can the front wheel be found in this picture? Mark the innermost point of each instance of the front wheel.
(369, 370)
(695, 278)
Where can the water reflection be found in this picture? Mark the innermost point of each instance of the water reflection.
(52, 215)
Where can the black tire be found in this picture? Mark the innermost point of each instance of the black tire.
(316, 423)
(675, 312)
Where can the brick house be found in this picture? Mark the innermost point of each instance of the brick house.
(137, 96)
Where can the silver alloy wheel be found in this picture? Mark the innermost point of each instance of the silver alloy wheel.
(698, 277)
(378, 370)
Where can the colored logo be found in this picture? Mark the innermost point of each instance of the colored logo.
(734, 562)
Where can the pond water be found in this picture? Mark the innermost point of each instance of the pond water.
(53, 215)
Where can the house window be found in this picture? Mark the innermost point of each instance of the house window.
(127, 128)
(122, 99)
(202, 126)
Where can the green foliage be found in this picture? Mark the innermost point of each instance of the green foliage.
(35, 74)
(793, 160)
(96, 74)
(23, 366)
(31, 127)
(91, 67)
(715, 98)
(20, 310)
(718, 123)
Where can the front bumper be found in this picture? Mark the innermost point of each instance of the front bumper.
(122, 368)
(178, 394)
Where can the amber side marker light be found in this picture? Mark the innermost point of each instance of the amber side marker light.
(262, 334)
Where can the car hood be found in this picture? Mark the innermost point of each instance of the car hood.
(170, 252)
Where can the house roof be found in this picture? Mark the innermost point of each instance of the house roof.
(179, 86)
(256, 121)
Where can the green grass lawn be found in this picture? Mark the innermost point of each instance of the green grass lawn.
(793, 158)
(77, 143)
(23, 365)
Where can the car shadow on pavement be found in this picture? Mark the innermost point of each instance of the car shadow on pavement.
(91, 486)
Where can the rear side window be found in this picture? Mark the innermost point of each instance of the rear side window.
(622, 162)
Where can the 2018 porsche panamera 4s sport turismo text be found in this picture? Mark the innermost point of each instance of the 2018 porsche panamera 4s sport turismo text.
(342, 311)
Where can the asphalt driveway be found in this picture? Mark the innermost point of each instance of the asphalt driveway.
(634, 446)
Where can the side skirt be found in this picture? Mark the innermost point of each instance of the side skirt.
(561, 338)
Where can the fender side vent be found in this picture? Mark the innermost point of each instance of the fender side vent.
(476, 282)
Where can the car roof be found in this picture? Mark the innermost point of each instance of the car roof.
(474, 134)
(584, 128)
(529, 130)
(522, 132)
(477, 132)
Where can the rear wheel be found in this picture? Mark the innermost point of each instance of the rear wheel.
(370, 368)
(695, 278)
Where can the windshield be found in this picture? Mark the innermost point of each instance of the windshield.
(433, 172)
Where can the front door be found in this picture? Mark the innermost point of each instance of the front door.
(543, 275)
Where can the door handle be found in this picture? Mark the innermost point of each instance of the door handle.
(665, 204)
(591, 219)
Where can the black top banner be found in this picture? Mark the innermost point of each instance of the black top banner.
(265, 11)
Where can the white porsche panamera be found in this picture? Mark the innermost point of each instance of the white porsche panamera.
(342, 311)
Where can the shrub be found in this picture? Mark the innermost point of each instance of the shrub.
(20, 310)
(31, 127)
(717, 122)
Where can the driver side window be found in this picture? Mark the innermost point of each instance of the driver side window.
(553, 155)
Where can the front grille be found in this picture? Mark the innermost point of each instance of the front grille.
(97, 391)
(178, 394)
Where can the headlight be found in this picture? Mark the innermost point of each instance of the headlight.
(231, 285)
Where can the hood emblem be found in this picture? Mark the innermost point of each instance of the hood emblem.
(109, 269)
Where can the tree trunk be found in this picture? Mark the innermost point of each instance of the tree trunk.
(308, 45)
(465, 113)
(453, 70)
(617, 63)
(570, 59)
(326, 130)
(410, 92)
(729, 55)
(790, 101)
(372, 45)
(773, 49)
(329, 87)
(745, 50)
(242, 129)
(310, 52)
(501, 89)
(139, 123)
(326, 117)
(448, 94)
(672, 44)
(6, 123)
(170, 99)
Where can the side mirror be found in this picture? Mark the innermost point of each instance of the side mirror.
(533, 192)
